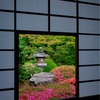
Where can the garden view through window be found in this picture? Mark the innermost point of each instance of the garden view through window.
(47, 67)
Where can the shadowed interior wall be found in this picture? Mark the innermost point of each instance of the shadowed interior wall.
(82, 18)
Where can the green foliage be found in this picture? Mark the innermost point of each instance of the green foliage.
(26, 50)
(50, 65)
(65, 51)
(61, 49)
(22, 74)
(27, 70)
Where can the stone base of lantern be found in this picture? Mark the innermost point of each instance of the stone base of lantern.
(42, 78)
(42, 65)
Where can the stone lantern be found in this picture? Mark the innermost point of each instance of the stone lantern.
(40, 58)
(43, 77)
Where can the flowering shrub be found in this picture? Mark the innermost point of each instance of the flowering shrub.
(31, 68)
(70, 81)
(27, 70)
(49, 92)
(63, 72)
(64, 86)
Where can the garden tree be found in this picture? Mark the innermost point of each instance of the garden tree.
(61, 49)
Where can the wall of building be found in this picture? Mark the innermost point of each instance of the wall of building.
(66, 16)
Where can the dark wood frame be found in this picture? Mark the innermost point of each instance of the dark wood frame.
(47, 33)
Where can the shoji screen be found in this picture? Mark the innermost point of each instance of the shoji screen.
(32, 15)
(7, 49)
(79, 17)
(89, 50)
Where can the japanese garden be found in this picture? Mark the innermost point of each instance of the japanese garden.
(47, 67)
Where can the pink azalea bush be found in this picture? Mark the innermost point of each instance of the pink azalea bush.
(63, 72)
(49, 92)
(64, 86)
(70, 81)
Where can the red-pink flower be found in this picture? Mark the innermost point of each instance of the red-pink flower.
(62, 88)
(70, 81)
(63, 72)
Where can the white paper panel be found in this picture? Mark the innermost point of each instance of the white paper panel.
(7, 95)
(89, 11)
(99, 67)
(88, 73)
(88, 26)
(7, 4)
(99, 87)
(6, 40)
(99, 42)
(6, 59)
(32, 22)
(91, 1)
(6, 79)
(88, 42)
(88, 89)
(33, 5)
(6, 20)
(88, 57)
(63, 24)
(63, 7)
(99, 70)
